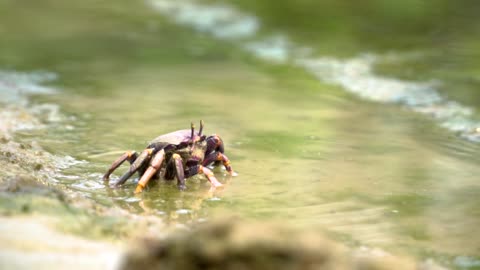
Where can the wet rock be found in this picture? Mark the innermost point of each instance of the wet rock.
(22, 161)
(25, 184)
(236, 245)
(37, 167)
(3, 139)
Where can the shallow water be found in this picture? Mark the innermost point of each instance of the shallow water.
(316, 142)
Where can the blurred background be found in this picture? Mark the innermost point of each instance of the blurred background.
(359, 119)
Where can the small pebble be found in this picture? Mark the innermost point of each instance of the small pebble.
(25, 208)
(38, 167)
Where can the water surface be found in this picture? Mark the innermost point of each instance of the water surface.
(311, 147)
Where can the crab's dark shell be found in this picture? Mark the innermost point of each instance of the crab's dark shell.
(173, 138)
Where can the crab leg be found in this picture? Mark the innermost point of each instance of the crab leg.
(180, 172)
(131, 156)
(217, 156)
(139, 162)
(209, 174)
(199, 169)
(175, 168)
(155, 165)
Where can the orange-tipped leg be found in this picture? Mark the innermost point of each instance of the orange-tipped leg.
(209, 174)
(218, 156)
(131, 156)
(155, 165)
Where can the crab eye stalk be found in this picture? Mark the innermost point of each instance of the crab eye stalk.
(201, 128)
(193, 130)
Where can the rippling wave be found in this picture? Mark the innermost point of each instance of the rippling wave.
(18, 114)
(355, 75)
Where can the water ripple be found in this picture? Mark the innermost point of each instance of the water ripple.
(15, 86)
(18, 114)
(355, 75)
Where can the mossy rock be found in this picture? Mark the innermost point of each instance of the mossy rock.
(236, 245)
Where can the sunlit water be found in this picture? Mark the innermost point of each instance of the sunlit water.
(317, 141)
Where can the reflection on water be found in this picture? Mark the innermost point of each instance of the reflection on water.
(307, 152)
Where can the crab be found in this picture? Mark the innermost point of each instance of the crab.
(181, 154)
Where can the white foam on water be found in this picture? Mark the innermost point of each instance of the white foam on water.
(66, 162)
(183, 211)
(17, 114)
(133, 200)
(466, 262)
(15, 89)
(355, 75)
(275, 48)
(16, 86)
(14, 119)
(219, 20)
